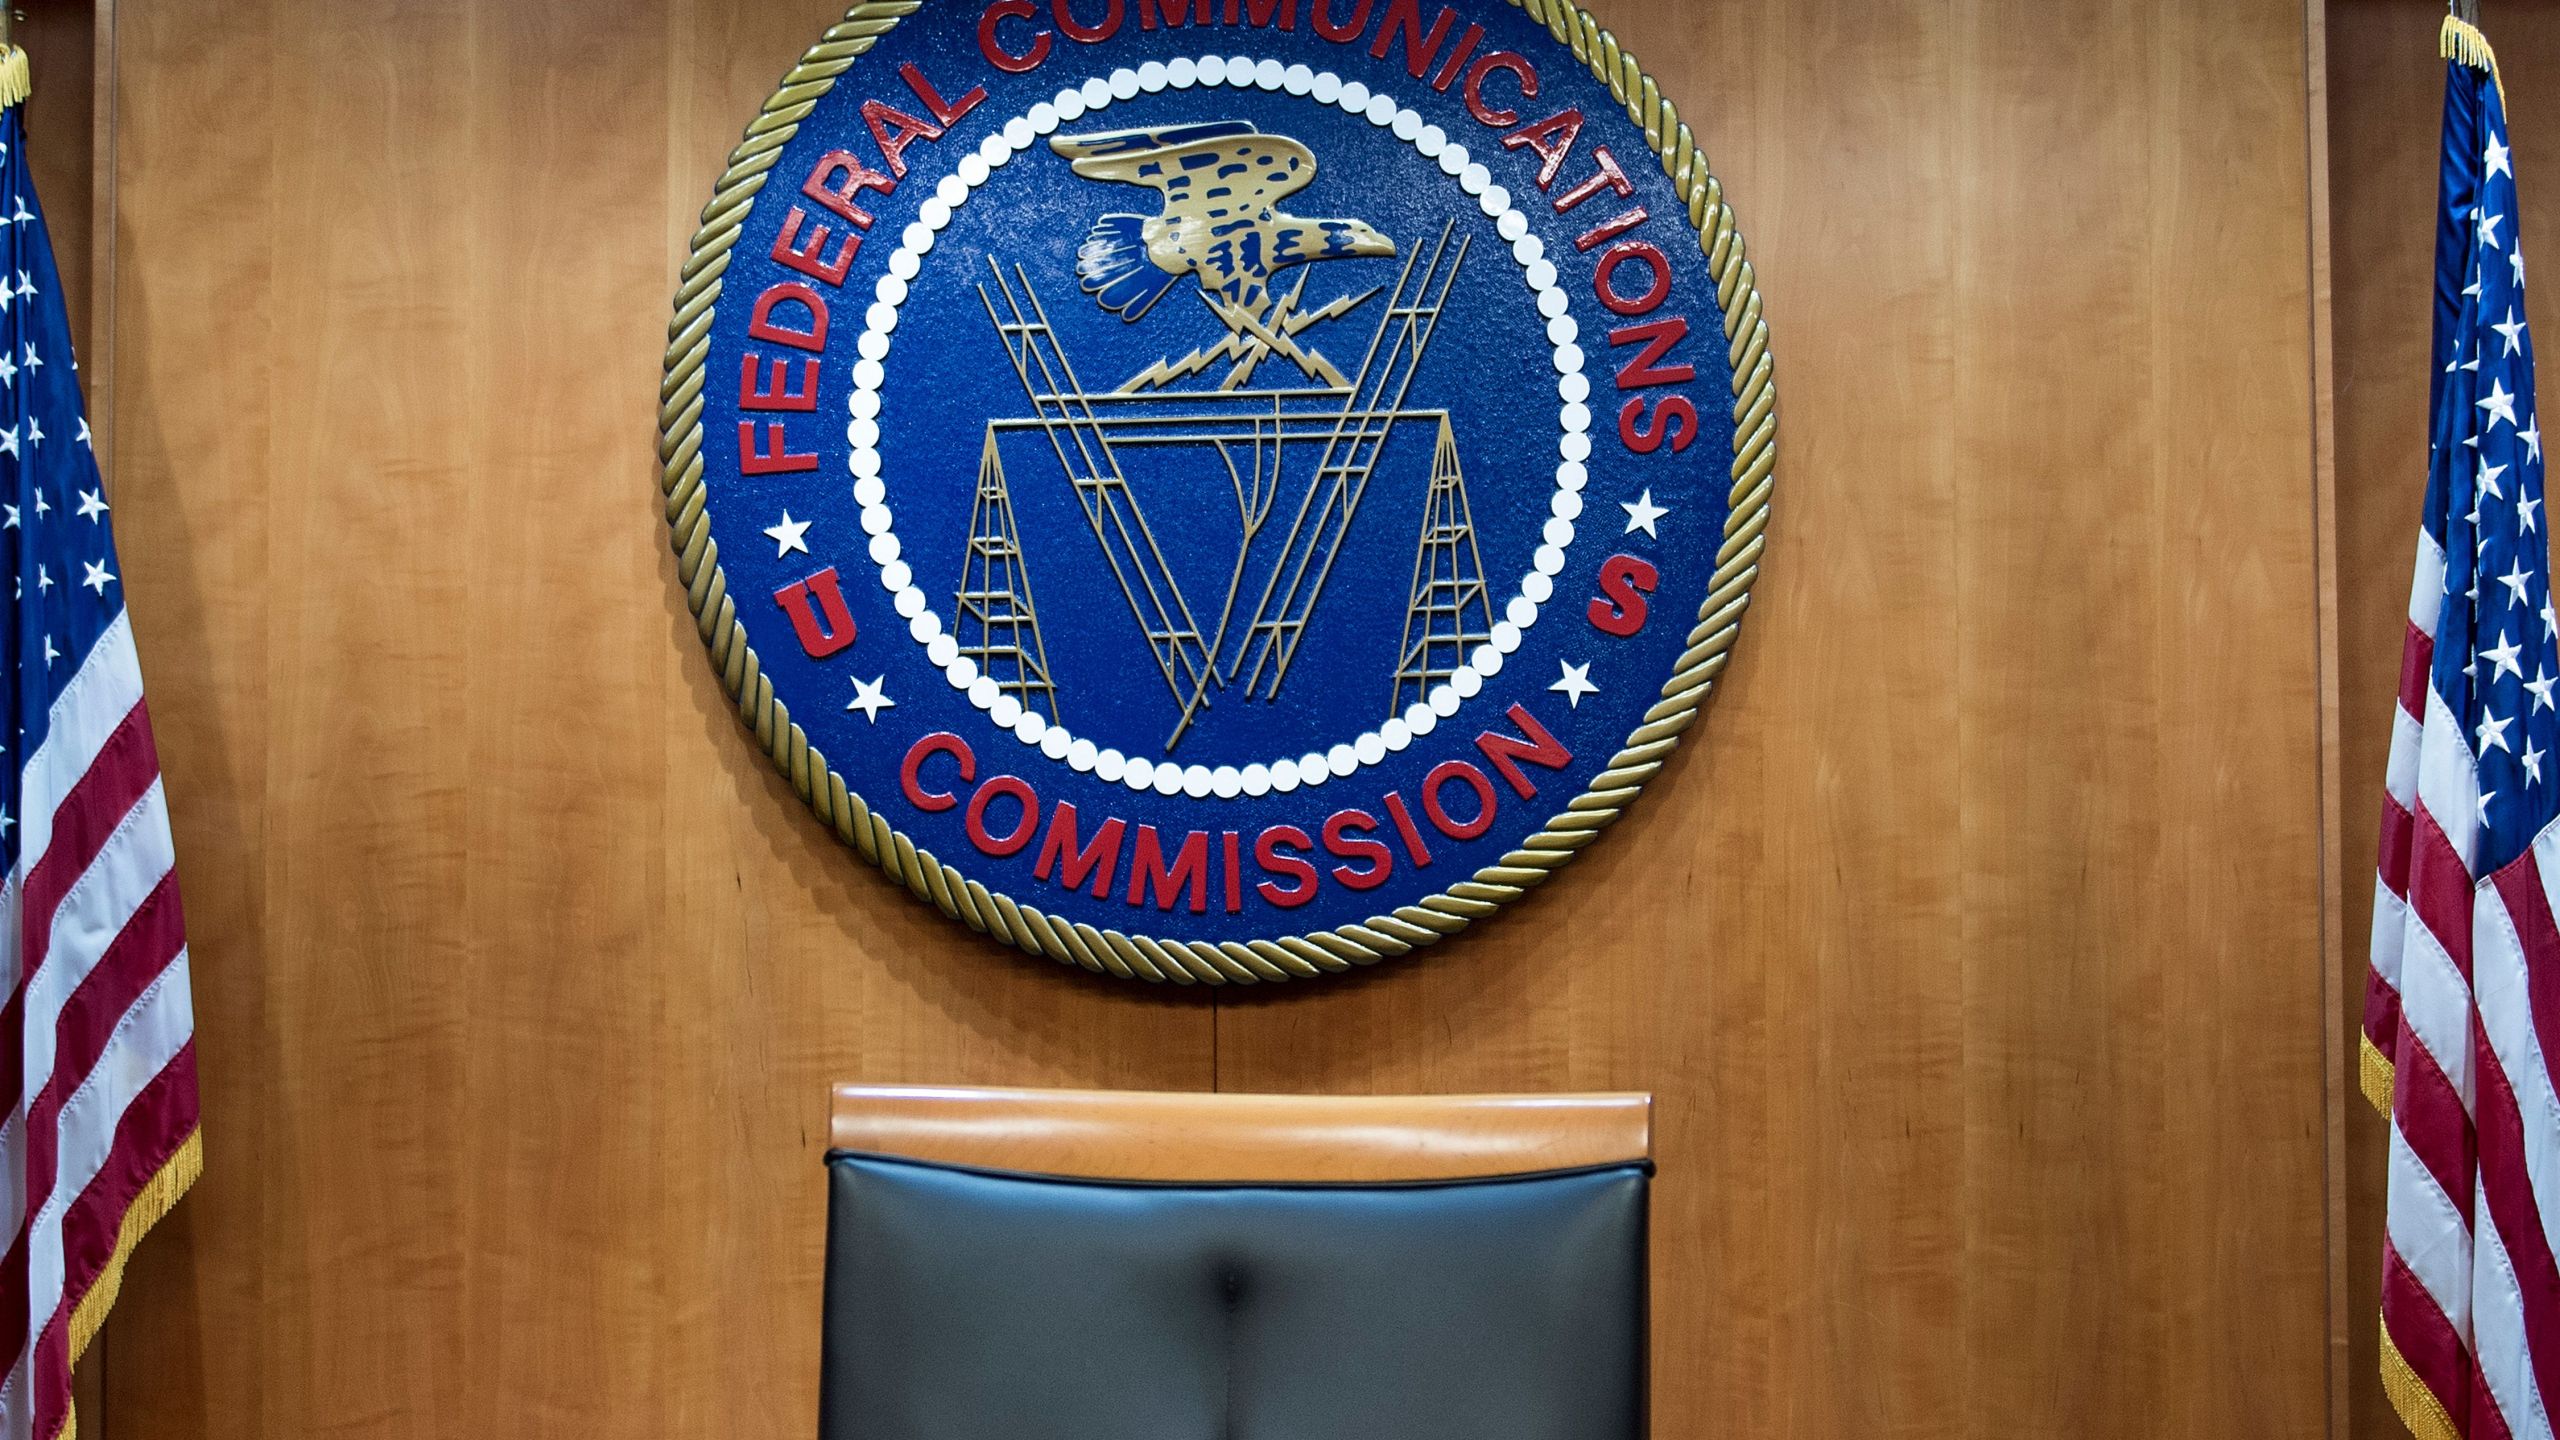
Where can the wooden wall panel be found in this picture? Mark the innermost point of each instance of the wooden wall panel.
(1974, 956)
(1973, 953)
(2386, 110)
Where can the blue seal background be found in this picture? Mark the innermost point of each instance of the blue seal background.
(1490, 365)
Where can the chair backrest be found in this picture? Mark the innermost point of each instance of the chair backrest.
(1101, 1265)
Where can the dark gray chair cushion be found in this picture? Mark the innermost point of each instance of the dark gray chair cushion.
(973, 1305)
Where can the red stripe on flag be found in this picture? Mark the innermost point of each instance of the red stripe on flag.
(132, 961)
(2508, 1187)
(2417, 662)
(154, 1126)
(2440, 891)
(2431, 1118)
(97, 803)
(2399, 832)
(2382, 1015)
(2425, 1339)
(2487, 1423)
(2520, 886)
(126, 767)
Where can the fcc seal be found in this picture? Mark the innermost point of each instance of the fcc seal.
(1218, 489)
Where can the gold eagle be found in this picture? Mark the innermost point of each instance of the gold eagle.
(1221, 182)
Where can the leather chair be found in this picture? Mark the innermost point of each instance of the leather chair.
(1100, 1265)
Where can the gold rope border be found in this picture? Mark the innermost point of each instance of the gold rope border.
(1410, 927)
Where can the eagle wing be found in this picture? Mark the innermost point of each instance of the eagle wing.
(1214, 171)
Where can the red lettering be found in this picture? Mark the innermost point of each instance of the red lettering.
(1405, 16)
(1259, 12)
(1147, 871)
(1610, 229)
(1539, 748)
(1302, 876)
(1407, 831)
(1620, 608)
(948, 112)
(1008, 61)
(1476, 780)
(1606, 173)
(1467, 44)
(941, 742)
(1483, 109)
(1657, 286)
(1058, 849)
(837, 178)
(1673, 419)
(894, 129)
(1235, 872)
(838, 631)
(775, 393)
(762, 325)
(1344, 832)
(1550, 139)
(975, 818)
(1342, 34)
(1113, 12)
(804, 258)
(1657, 337)
(776, 458)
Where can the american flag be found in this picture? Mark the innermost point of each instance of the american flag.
(2463, 1000)
(99, 1135)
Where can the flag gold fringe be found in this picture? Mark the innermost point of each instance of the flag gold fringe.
(2462, 42)
(2419, 1408)
(2376, 1076)
(150, 1206)
(14, 81)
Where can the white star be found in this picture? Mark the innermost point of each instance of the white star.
(2502, 657)
(1642, 512)
(44, 579)
(35, 432)
(868, 699)
(2550, 621)
(1576, 683)
(50, 654)
(2532, 439)
(2495, 159)
(2489, 229)
(83, 436)
(2489, 477)
(91, 506)
(2500, 404)
(786, 536)
(12, 522)
(30, 358)
(2493, 734)
(2514, 581)
(94, 575)
(2516, 258)
(2525, 506)
(9, 442)
(44, 507)
(2540, 688)
(2532, 759)
(2512, 332)
(6, 820)
(2485, 797)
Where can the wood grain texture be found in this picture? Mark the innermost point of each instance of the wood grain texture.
(1973, 956)
(2386, 109)
(1971, 948)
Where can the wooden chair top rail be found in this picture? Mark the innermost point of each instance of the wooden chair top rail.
(1168, 1136)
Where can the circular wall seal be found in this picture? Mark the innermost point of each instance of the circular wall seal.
(1216, 490)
